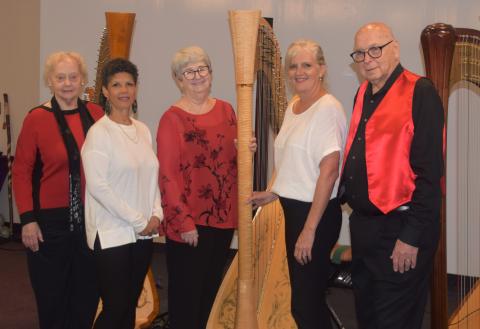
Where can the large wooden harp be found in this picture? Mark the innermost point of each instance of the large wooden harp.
(271, 100)
(452, 61)
(115, 42)
(263, 251)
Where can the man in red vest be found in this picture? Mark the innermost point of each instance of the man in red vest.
(391, 179)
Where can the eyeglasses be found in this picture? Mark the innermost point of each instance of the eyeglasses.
(202, 71)
(374, 52)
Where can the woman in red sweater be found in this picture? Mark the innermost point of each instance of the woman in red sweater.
(198, 183)
(48, 185)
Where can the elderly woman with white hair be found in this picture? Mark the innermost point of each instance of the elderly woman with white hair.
(307, 159)
(198, 182)
(48, 184)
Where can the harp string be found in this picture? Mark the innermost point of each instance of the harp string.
(466, 84)
(270, 106)
(103, 56)
(272, 286)
(441, 42)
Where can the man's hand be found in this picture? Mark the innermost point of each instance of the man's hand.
(404, 257)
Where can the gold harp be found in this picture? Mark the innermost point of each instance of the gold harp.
(452, 61)
(264, 249)
(115, 42)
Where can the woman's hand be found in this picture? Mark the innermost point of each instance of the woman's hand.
(190, 237)
(31, 235)
(252, 146)
(152, 227)
(303, 246)
(261, 198)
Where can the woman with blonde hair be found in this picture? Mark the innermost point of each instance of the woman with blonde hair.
(307, 159)
(48, 183)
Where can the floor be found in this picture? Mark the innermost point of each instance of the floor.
(340, 299)
(18, 310)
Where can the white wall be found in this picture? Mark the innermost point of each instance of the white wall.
(19, 66)
(163, 26)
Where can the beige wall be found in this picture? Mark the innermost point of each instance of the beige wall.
(19, 67)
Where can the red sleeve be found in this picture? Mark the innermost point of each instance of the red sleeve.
(96, 111)
(22, 169)
(178, 218)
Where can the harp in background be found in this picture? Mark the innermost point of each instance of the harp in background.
(452, 61)
(262, 255)
(115, 42)
(271, 100)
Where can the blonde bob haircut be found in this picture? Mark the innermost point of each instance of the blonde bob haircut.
(187, 56)
(55, 58)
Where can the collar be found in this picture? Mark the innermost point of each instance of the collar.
(391, 79)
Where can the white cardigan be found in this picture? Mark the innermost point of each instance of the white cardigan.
(121, 172)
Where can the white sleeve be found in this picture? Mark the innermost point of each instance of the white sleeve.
(332, 135)
(157, 205)
(96, 162)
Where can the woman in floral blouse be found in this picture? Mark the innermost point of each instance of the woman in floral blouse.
(198, 183)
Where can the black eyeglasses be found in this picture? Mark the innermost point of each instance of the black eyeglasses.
(374, 52)
(202, 71)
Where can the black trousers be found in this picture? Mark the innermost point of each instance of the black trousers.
(386, 299)
(194, 276)
(121, 272)
(309, 282)
(62, 273)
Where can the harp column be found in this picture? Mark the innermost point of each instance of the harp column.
(438, 43)
(244, 31)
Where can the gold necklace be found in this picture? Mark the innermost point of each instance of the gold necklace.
(133, 140)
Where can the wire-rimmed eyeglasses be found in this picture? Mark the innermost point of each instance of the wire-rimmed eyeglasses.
(374, 52)
(202, 71)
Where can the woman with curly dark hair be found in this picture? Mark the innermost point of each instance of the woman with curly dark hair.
(123, 209)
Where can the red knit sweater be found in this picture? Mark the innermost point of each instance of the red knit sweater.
(40, 169)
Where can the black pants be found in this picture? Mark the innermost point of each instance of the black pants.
(121, 272)
(386, 299)
(62, 273)
(194, 276)
(309, 282)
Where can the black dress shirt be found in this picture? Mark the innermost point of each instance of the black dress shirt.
(426, 159)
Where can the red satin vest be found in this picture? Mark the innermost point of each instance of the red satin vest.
(388, 136)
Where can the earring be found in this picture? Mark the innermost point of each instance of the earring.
(107, 107)
(134, 106)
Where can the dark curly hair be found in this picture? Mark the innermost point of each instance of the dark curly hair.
(112, 67)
